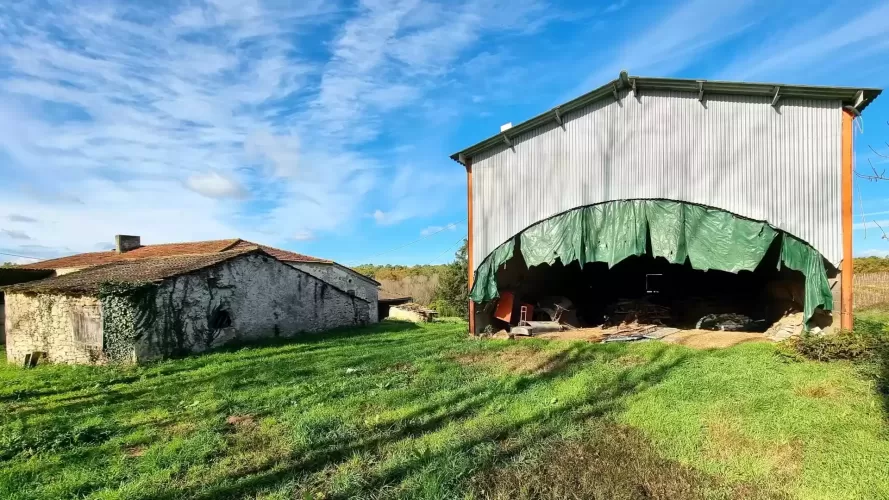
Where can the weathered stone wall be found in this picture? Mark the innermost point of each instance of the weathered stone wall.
(47, 323)
(344, 279)
(262, 297)
(2, 321)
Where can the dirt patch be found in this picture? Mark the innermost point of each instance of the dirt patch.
(708, 339)
(518, 360)
(134, 451)
(240, 421)
(821, 390)
(181, 428)
(586, 334)
(726, 442)
(401, 367)
(630, 360)
(615, 462)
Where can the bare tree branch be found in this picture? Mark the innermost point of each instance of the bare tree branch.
(881, 230)
(877, 176)
(876, 152)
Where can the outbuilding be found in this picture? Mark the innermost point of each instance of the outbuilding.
(695, 195)
(149, 308)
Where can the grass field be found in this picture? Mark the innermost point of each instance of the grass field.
(405, 411)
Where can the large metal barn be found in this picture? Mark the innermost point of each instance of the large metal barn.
(695, 196)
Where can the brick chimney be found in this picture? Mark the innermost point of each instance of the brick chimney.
(124, 243)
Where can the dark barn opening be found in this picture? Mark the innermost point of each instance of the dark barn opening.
(647, 290)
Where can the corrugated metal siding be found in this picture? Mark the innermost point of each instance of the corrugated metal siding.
(736, 153)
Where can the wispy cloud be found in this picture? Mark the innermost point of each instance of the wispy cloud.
(870, 214)
(616, 6)
(20, 218)
(414, 193)
(437, 229)
(215, 185)
(219, 118)
(303, 236)
(873, 252)
(16, 235)
(821, 44)
(675, 40)
(884, 223)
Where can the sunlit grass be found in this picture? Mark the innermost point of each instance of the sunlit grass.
(400, 410)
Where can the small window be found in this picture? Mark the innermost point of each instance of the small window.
(220, 319)
(86, 323)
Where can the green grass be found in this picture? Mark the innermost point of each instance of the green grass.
(406, 411)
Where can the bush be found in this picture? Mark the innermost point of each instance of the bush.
(869, 340)
(445, 310)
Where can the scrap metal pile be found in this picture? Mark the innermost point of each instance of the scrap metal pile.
(636, 319)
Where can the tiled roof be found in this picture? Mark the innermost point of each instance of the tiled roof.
(385, 296)
(129, 271)
(91, 259)
(282, 255)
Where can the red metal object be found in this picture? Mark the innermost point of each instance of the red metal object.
(505, 306)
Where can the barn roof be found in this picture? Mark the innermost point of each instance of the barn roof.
(151, 270)
(855, 97)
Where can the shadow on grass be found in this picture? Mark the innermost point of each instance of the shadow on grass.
(272, 378)
(459, 407)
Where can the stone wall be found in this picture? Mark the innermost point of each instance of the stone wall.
(67, 329)
(260, 296)
(2, 321)
(344, 279)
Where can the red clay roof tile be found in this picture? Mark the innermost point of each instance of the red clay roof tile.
(92, 259)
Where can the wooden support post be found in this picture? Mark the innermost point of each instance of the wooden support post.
(469, 258)
(847, 272)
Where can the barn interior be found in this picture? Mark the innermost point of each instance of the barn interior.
(641, 293)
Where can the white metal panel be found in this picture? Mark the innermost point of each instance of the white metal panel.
(736, 153)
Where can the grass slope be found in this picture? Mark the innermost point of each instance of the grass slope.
(406, 411)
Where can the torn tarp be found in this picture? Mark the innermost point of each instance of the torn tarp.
(610, 232)
(484, 286)
(801, 257)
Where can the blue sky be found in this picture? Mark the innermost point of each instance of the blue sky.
(325, 127)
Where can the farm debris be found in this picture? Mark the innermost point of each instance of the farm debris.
(789, 326)
(641, 311)
(412, 311)
(730, 322)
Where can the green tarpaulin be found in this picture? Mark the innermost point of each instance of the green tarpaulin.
(801, 257)
(484, 287)
(611, 232)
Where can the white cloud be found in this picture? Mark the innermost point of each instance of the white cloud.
(215, 185)
(616, 6)
(414, 192)
(872, 224)
(873, 252)
(217, 118)
(869, 214)
(824, 43)
(676, 40)
(20, 218)
(15, 235)
(437, 229)
(302, 235)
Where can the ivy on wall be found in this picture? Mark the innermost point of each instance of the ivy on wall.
(129, 311)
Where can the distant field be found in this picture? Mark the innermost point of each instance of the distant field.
(406, 411)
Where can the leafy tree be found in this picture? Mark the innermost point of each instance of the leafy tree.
(453, 286)
(397, 272)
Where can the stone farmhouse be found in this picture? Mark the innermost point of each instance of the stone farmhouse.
(138, 303)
